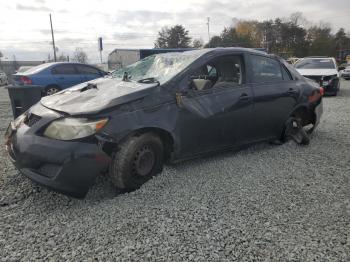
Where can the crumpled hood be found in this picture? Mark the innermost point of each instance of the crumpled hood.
(317, 72)
(108, 92)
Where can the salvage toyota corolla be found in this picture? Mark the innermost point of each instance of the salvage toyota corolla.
(166, 107)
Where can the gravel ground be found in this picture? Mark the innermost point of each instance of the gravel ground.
(279, 203)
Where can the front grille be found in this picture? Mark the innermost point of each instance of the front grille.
(32, 119)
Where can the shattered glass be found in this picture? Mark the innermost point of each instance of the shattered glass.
(162, 67)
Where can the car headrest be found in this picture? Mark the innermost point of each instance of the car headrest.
(201, 84)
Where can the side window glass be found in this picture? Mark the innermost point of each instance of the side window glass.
(63, 70)
(87, 70)
(225, 71)
(285, 73)
(211, 71)
(229, 70)
(265, 69)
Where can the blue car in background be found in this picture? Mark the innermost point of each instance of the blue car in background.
(54, 77)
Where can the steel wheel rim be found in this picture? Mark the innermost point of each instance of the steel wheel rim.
(51, 91)
(144, 161)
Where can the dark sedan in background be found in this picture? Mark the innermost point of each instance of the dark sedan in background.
(166, 107)
(54, 77)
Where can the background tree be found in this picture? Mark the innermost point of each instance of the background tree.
(80, 56)
(285, 37)
(321, 41)
(248, 32)
(197, 43)
(342, 41)
(62, 58)
(174, 37)
(215, 41)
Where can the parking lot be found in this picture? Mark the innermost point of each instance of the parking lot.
(267, 202)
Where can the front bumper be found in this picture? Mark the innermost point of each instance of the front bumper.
(66, 167)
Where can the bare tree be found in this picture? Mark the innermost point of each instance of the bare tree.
(62, 58)
(80, 56)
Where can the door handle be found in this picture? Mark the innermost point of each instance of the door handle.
(244, 96)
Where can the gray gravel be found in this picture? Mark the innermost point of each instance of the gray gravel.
(280, 203)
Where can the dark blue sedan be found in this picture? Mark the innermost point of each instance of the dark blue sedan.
(54, 77)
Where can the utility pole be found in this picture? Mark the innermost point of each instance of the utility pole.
(208, 21)
(53, 41)
(100, 47)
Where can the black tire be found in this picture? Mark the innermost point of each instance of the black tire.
(136, 160)
(295, 131)
(51, 89)
(303, 137)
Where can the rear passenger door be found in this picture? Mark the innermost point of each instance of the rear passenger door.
(275, 95)
(88, 73)
(66, 75)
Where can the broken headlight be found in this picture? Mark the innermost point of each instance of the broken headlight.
(326, 80)
(74, 128)
(19, 120)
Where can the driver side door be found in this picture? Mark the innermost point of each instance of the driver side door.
(216, 116)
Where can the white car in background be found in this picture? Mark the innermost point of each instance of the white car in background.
(322, 70)
(3, 79)
(346, 73)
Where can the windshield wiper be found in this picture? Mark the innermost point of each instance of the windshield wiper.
(149, 80)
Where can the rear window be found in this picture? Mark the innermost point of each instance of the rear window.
(64, 70)
(36, 69)
(311, 63)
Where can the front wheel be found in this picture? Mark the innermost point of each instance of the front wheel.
(136, 160)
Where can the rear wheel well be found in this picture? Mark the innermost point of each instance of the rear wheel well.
(304, 114)
(53, 85)
(46, 89)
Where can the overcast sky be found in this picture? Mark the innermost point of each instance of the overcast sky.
(25, 28)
